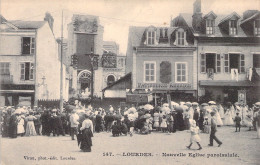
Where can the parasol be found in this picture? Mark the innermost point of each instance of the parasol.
(165, 105)
(167, 110)
(257, 103)
(212, 102)
(204, 104)
(148, 107)
(132, 110)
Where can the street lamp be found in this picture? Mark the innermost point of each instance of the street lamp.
(92, 58)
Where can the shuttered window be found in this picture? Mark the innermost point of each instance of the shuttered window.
(203, 63)
(242, 63)
(218, 63)
(23, 71)
(27, 71)
(226, 63)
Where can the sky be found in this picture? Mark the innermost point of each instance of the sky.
(117, 15)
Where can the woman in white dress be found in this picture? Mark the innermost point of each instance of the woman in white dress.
(20, 125)
(221, 112)
(156, 120)
(218, 118)
(228, 118)
(164, 124)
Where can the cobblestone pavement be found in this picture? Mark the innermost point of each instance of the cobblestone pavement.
(238, 148)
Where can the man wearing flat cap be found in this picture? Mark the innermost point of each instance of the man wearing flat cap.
(213, 131)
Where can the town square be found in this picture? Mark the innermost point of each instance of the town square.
(130, 82)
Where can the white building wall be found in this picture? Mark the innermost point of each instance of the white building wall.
(11, 52)
(47, 63)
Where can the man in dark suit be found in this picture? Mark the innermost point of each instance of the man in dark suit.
(213, 131)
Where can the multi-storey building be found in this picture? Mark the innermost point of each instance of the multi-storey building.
(227, 53)
(29, 63)
(85, 37)
(111, 46)
(162, 59)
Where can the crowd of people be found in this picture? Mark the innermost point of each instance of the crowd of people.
(170, 117)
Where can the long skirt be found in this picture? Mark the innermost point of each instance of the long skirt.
(30, 129)
(170, 126)
(156, 124)
(86, 141)
(20, 129)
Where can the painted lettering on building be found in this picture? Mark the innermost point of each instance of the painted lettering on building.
(170, 86)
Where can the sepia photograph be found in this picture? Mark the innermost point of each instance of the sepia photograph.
(129, 82)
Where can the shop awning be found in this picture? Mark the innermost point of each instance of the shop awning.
(16, 91)
(245, 83)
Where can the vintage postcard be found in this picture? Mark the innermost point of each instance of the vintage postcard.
(117, 82)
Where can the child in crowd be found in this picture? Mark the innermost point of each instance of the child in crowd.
(115, 129)
(194, 130)
(237, 121)
(164, 124)
(206, 126)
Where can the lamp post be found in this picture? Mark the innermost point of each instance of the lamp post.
(92, 59)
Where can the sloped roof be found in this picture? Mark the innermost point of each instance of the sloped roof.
(2, 19)
(218, 31)
(27, 24)
(125, 78)
(250, 18)
(229, 17)
(136, 34)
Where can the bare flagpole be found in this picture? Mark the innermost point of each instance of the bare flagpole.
(61, 65)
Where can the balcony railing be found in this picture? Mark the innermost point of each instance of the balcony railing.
(6, 79)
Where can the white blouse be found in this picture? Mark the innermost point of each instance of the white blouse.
(87, 123)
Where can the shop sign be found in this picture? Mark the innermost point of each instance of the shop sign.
(242, 97)
(170, 86)
(17, 87)
(139, 98)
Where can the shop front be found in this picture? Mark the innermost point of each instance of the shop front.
(231, 91)
(163, 91)
(17, 95)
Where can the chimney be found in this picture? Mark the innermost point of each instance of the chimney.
(49, 19)
(197, 15)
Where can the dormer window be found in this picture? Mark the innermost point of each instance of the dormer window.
(150, 37)
(257, 27)
(209, 26)
(233, 27)
(180, 38)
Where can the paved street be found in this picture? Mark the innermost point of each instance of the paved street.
(244, 145)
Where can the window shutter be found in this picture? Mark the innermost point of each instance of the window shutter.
(226, 64)
(31, 71)
(213, 24)
(22, 71)
(32, 46)
(203, 63)
(21, 45)
(242, 63)
(218, 63)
